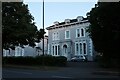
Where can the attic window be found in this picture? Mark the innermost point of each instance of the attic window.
(56, 23)
(79, 18)
(67, 20)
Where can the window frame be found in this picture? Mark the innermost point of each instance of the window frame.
(66, 34)
(55, 50)
(78, 32)
(81, 32)
(76, 44)
(57, 35)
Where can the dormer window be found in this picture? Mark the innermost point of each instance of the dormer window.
(79, 18)
(67, 21)
(56, 23)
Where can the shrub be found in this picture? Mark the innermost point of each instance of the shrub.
(60, 61)
(46, 60)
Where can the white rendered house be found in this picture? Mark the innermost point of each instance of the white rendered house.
(69, 38)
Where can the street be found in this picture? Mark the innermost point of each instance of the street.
(73, 70)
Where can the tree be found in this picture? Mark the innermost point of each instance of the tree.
(40, 35)
(105, 30)
(18, 27)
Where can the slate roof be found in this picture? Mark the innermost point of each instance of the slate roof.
(71, 21)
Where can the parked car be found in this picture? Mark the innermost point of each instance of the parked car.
(78, 58)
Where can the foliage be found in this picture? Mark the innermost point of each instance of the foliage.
(18, 27)
(46, 60)
(105, 29)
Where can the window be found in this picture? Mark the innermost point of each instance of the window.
(84, 48)
(67, 34)
(58, 50)
(76, 48)
(80, 48)
(55, 50)
(18, 51)
(77, 33)
(55, 36)
(82, 32)
(22, 52)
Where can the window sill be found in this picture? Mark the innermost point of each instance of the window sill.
(67, 38)
(55, 55)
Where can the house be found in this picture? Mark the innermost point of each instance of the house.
(69, 39)
(39, 46)
(27, 50)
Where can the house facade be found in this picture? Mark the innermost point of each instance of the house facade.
(69, 39)
(27, 50)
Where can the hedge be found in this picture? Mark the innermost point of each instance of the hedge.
(111, 63)
(46, 60)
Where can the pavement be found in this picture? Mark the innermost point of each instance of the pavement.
(73, 71)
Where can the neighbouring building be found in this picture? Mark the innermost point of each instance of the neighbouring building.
(27, 50)
(39, 46)
(69, 38)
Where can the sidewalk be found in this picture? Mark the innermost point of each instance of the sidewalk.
(31, 67)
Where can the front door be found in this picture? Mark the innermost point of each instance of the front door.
(65, 50)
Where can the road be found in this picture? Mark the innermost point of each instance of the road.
(72, 71)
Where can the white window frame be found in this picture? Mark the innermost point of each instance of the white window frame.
(85, 46)
(52, 50)
(82, 48)
(22, 51)
(54, 54)
(77, 33)
(57, 35)
(81, 32)
(18, 51)
(76, 53)
(66, 36)
(53, 36)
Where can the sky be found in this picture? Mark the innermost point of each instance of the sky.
(57, 11)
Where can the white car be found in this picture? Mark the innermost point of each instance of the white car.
(78, 58)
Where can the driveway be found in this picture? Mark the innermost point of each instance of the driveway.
(74, 70)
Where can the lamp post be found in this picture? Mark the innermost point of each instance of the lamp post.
(43, 27)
